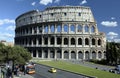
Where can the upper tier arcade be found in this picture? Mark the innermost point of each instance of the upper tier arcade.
(55, 14)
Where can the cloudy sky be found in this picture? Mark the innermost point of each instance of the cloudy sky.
(106, 13)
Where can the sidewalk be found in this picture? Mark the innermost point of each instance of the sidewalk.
(24, 76)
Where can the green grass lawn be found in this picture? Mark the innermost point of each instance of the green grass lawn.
(80, 69)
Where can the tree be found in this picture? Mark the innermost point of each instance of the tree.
(16, 54)
(113, 53)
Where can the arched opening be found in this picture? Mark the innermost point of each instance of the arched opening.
(72, 41)
(93, 55)
(92, 29)
(72, 28)
(40, 41)
(34, 53)
(40, 29)
(73, 55)
(34, 41)
(80, 55)
(59, 40)
(86, 29)
(52, 41)
(52, 54)
(59, 54)
(65, 28)
(86, 41)
(39, 53)
(79, 41)
(59, 28)
(99, 54)
(79, 28)
(46, 29)
(66, 55)
(65, 41)
(93, 41)
(52, 28)
(45, 40)
(99, 42)
(87, 55)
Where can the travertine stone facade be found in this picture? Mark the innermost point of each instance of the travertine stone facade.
(63, 32)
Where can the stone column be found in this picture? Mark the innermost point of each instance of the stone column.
(62, 51)
(36, 41)
(76, 28)
(43, 30)
(49, 29)
(55, 40)
(55, 28)
(76, 55)
(37, 53)
(69, 29)
(83, 54)
(96, 54)
(69, 54)
(69, 41)
(42, 53)
(48, 53)
(55, 54)
(90, 54)
(42, 40)
(62, 28)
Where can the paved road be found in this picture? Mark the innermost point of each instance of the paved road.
(42, 72)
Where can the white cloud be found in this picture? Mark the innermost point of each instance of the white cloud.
(109, 23)
(112, 18)
(6, 21)
(112, 35)
(12, 28)
(83, 2)
(117, 40)
(45, 2)
(33, 3)
(56, 1)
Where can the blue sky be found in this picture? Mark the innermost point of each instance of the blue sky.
(106, 13)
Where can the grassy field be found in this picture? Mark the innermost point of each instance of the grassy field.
(80, 69)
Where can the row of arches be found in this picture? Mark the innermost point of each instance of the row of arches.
(69, 55)
(55, 29)
(58, 41)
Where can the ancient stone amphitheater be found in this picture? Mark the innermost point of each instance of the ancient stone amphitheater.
(61, 32)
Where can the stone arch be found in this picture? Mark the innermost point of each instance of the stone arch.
(46, 40)
(79, 28)
(59, 40)
(86, 41)
(59, 28)
(99, 42)
(79, 41)
(59, 54)
(40, 40)
(80, 55)
(93, 55)
(73, 55)
(66, 55)
(72, 28)
(65, 41)
(52, 54)
(34, 53)
(99, 54)
(93, 41)
(52, 28)
(72, 41)
(52, 41)
(92, 29)
(86, 28)
(87, 55)
(46, 28)
(66, 28)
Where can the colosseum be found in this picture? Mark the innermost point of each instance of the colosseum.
(61, 32)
